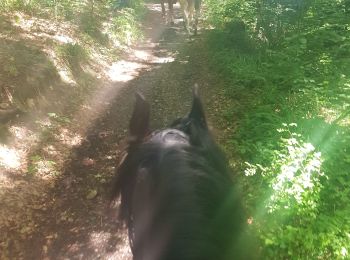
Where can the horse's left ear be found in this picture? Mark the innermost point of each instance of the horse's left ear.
(139, 123)
(197, 112)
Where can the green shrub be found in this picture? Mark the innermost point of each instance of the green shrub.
(91, 25)
(126, 27)
(292, 221)
(296, 69)
(73, 54)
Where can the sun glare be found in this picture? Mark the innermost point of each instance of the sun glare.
(298, 174)
(9, 158)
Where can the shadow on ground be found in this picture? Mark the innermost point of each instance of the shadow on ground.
(72, 222)
(91, 233)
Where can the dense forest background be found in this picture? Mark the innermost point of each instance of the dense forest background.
(284, 101)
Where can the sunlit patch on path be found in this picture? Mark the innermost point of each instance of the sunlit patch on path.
(146, 56)
(9, 158)
(124, 71)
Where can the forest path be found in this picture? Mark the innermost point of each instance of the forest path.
(164, 67)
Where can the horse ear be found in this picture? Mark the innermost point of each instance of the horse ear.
(139, 123)
(197, 112)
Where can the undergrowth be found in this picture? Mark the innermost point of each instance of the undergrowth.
(92, 33)
(292, 83)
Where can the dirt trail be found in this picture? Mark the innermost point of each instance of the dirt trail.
(74, 224)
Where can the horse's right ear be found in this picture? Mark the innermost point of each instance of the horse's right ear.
(139, 123)
(197, 112)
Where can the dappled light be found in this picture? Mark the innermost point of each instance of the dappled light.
(299, 175)
(124, 71)
(69, 139)
(296, 181)
(98, 241)
(13, 154)
(154, 7)
(275, 81)
(63, 39)
(73, 81)
(21, 133)
(296, 175)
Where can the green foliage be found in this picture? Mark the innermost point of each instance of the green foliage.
(125, 26)
(10, 66)
(100, 21)
(289, 63)
(92, 17)
(73, 54)
(16, 4)
(294, 221)
(118, 4)
(91, 25)
(38, 165)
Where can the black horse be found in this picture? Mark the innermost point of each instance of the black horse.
(177, 196)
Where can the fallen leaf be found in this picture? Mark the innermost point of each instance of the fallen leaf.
(92, 194)
(88, 162)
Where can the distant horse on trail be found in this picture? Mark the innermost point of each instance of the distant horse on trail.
(177, 196)
(170, 16)
(190, 10)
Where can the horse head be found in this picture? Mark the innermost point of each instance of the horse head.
(177, 196)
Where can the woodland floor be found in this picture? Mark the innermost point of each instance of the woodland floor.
(65, 217)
